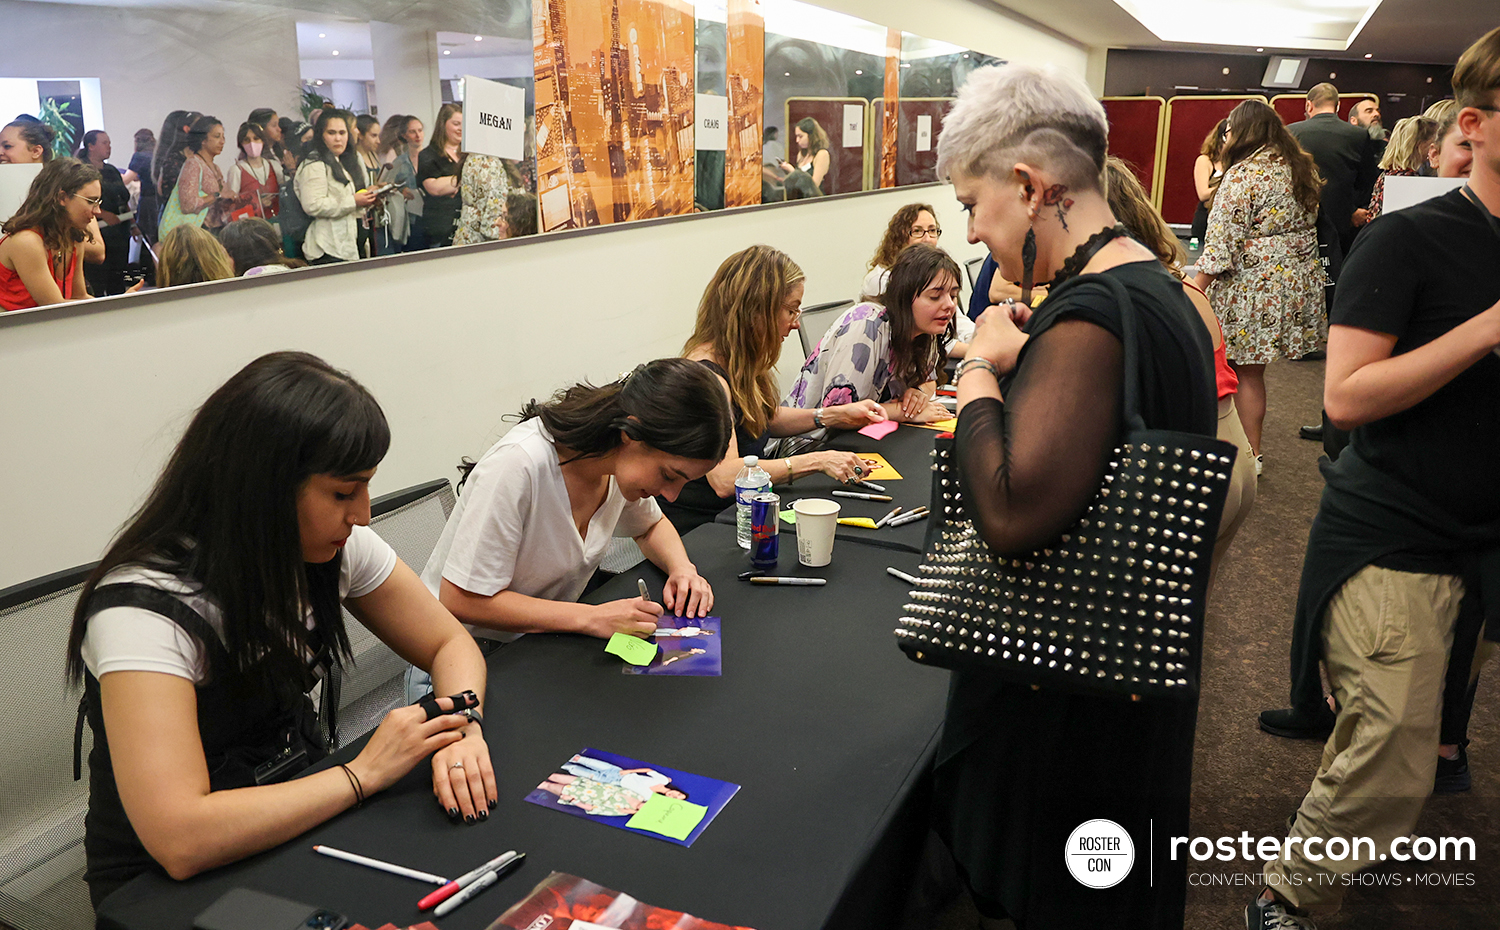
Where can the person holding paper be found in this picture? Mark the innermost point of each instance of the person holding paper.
(887, 352)
(750, 307)
(538, 510)
(217, 608)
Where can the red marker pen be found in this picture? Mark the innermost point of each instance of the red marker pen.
(466, 879)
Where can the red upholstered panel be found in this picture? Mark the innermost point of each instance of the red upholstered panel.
(1133, 134)
(912, 166)
(847, 165)
(1189, 119)
(1290, 109)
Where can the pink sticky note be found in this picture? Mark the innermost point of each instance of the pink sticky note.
(880, 430)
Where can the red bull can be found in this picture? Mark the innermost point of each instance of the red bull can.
(765, 530)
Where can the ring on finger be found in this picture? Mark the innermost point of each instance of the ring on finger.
(456, 765)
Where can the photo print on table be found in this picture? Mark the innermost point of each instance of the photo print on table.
(566, 902)
(692, 654)
(653, 800)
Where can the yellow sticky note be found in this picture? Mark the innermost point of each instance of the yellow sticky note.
(884, 471)
(865, 522)
(942, 426)
(632, 649)
(667, 816)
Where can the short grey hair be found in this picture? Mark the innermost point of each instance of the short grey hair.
(1040, 115)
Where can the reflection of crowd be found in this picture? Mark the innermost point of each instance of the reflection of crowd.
(338, 188)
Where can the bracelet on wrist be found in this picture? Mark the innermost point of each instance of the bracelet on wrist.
(971, 364)
(790, 474)
(359, 791)
(818, 418)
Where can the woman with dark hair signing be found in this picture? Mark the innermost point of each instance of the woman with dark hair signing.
(1040, 413)
(218, 607)
(540, 507)
(889, 351)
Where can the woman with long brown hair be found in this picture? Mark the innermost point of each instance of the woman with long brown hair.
(888, 351)
(913, 223)
(41, 252)
(1259, 264)
(750, 307)
(813, 155)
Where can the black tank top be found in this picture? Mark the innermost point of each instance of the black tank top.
(698, 504)
(244, 719)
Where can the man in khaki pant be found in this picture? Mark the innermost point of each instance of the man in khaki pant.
(1405, 548)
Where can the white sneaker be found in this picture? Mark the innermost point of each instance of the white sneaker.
(1260, 464)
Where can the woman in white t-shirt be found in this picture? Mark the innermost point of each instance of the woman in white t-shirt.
(211, 615)
(539, 508)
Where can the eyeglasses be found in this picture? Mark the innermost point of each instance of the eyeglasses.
(930, 232)
(91, 201)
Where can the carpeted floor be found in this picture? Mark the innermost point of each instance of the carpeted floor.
(1244, 779)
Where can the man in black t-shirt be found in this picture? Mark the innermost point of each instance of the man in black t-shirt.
(1408, 529)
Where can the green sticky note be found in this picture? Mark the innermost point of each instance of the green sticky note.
(632, 649)
(789, 516)
(667, 816)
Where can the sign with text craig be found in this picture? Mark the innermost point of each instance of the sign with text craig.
(494, 119)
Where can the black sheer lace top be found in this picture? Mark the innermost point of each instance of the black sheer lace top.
(1031, 464)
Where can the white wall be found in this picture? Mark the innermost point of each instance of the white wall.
(154, 60)
(981, 25)
(92, 397)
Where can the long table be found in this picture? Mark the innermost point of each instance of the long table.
(829, 730)
(909, 451)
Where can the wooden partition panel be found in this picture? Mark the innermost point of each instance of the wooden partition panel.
(1290, 107)
(846, 167)
(1135, 125)
(914, 163)
(1189, 119)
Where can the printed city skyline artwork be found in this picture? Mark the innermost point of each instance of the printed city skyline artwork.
(614, 110)
(746, 85)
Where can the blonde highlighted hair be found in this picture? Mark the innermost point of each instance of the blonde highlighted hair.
(190, 255)
(738, 317)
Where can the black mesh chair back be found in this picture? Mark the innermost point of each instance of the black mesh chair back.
(411, 522)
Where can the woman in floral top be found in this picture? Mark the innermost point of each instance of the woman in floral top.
(1260, 264)
(888, 353)
(485, 185)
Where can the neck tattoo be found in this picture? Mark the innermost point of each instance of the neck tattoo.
(1057, 196)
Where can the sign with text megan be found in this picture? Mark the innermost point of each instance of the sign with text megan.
(494, 119)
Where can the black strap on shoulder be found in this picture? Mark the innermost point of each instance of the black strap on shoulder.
(157, 601)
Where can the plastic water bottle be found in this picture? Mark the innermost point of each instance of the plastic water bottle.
(751, 480)
(1193, 244)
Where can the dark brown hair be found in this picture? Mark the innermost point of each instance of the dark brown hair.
(914, 355)
(35, 132)
(1253, 126)
(898, 234)
(1130, 205)
(42, 210)
(1213, 143)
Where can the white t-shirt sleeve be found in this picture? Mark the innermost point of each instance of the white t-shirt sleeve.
(500, 489)
(368, 562)
(637, 516)
(130, 639)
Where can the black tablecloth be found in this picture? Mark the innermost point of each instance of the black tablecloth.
(909, 450)
(825, 725)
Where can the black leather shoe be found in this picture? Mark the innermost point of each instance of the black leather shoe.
(1311, 433)
(1293, 724)
(1316, 355)
(1453, 774)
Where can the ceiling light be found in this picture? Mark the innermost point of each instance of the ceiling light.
(447, 51)
(479, 38)
(789, 74)
(857, 71)
(1260, 50)
(1369, 55)
(1226, 70)
(1329, 25)
(1332, 76)
(322, 35)
(335, 53)
(319, 83)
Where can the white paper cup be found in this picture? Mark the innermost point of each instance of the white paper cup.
(816, 521)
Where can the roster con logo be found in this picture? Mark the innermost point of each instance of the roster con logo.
(1100, 853)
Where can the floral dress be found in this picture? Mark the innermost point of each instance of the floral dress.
(1377, 198)
(600, 799)
(484, 186)
(1263, 245)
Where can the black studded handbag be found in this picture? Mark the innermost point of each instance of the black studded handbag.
(1116, 604)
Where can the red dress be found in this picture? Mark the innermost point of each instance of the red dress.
(15, 296)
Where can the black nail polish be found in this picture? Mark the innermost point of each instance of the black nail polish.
(493, 803)
(484, 814)
(468, 818)
(452, 812)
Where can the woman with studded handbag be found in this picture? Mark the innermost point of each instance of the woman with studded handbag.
(1042, 410)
